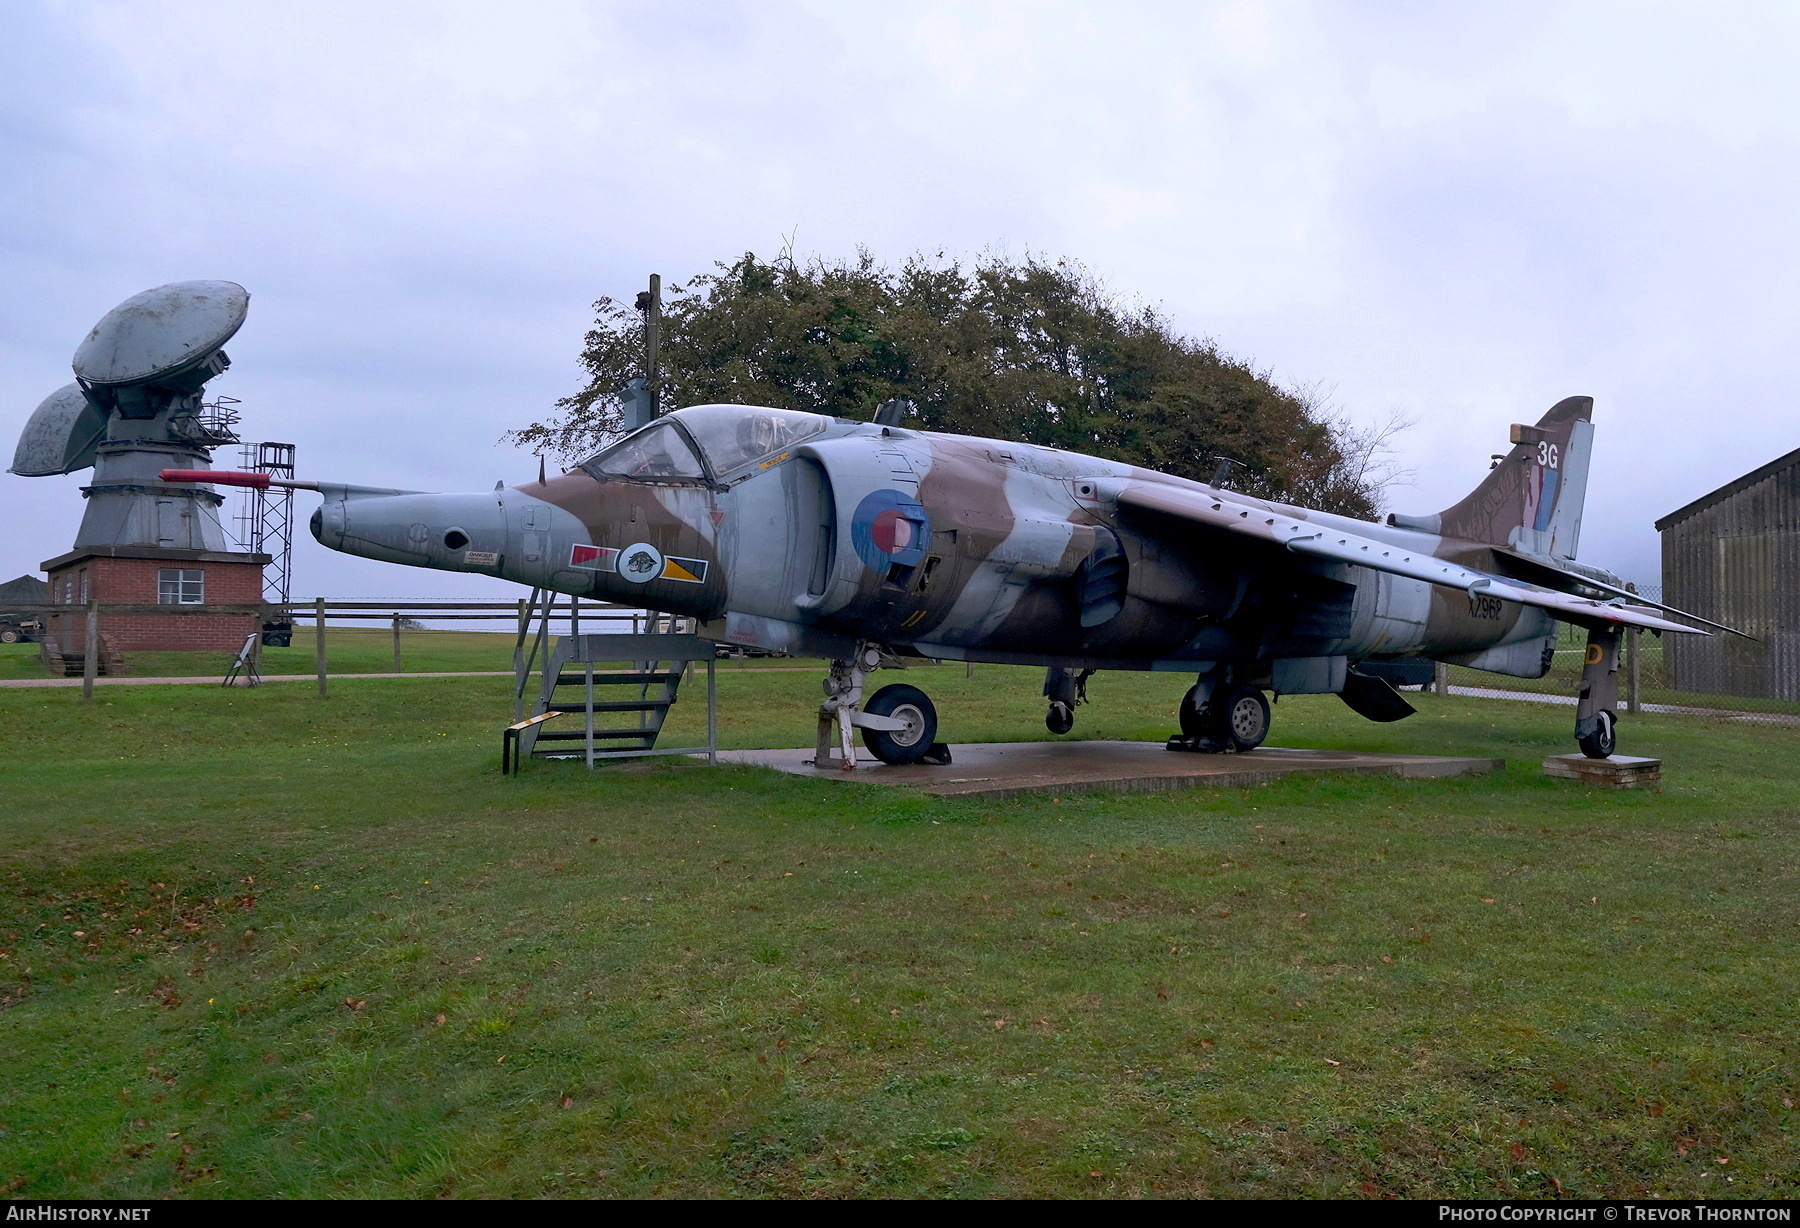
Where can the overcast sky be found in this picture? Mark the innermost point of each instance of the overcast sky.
(1459, 213)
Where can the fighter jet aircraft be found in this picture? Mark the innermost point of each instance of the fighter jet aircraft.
(867, 542)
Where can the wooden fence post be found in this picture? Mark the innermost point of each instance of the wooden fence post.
(319, 641)
(398, 668)
(90, 658)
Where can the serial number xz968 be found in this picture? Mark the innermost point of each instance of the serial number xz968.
(1483, 606)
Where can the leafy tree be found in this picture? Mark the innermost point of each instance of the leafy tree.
(1027, 350)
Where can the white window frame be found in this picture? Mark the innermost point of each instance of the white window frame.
(180, 586)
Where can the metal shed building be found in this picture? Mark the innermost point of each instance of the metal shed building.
(1734, 556)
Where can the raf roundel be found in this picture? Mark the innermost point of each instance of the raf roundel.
(890, 527)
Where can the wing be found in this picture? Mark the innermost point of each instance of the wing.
(1263, 523)
(1549, 575)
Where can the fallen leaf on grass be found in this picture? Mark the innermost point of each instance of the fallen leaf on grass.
(1518, 1152)
(1684, 1145)
(1786, 1103)
(1487, 899)
(354, 1004)
(1655, 1110)
(1724, 1160)
(568, 1102)
(1330, 1062)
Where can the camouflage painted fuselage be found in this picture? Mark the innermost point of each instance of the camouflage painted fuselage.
(959, 548)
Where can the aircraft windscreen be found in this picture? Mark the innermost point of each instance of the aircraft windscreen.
(658, 451)
(735, 435)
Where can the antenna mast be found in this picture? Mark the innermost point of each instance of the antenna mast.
(640, 395)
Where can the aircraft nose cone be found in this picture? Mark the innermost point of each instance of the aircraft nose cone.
(449, 532)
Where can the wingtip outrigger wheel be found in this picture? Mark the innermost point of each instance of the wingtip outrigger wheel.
(1596, 712)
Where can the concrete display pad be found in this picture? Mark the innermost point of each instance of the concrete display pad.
(1618, 772)
(1013, 769)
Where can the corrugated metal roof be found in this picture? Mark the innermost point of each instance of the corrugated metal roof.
(1728, 490)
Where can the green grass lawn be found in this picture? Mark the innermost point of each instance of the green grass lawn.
(260, 944)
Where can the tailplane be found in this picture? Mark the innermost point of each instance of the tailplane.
(1531, 500)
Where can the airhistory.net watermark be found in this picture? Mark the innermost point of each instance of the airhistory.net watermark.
(50, 1213)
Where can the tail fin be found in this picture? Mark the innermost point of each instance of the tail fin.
(1532, 498)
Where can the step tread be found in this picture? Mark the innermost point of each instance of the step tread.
(613, 679)
(579, 735)
(624, 705)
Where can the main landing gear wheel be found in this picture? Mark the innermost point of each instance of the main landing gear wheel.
(9, 636)
(1600, 743)
(1060, 718)
(903, 703)
(1246, 717)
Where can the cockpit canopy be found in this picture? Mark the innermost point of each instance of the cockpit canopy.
(728, 436)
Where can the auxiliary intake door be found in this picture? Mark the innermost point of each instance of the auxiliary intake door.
(812, 537)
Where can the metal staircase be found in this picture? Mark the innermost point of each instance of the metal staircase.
(621, 710)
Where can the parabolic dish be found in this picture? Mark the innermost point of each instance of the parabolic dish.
(60, 436)
(161, 332)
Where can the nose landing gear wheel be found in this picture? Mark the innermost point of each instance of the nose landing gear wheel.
(1600, 743)
(1059, 719)
(1246, 717)
(903, 703)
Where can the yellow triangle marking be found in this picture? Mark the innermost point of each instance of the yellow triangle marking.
(675, 571)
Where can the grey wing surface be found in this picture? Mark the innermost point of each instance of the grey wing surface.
(1261, 523)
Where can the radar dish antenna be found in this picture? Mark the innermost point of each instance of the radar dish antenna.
(169, 338)
(61, 435)
(134, 408)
